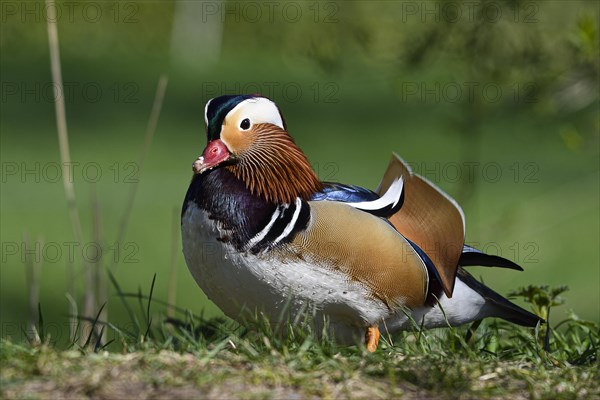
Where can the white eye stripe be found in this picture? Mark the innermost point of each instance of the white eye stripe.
(206, 111)
(258, 110)
(290, 226)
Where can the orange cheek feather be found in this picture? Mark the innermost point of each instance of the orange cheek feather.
(237, 141)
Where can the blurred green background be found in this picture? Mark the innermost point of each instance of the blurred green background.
(495, 101)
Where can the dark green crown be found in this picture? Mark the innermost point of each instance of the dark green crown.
(217, 110)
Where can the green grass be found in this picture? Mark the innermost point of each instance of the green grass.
(193, 357)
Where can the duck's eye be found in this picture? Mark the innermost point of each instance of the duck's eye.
(245, 124)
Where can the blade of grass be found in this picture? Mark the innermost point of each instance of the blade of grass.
(547, 335)
(164, 303)
(388, 333)
(148, 318)
(120, 331)
(91, 333)
(73, 321)
(150, 296)
(41, 330)
(107, 344)
(471, 331)
(98, 277)
(98, 344)
(122, 297)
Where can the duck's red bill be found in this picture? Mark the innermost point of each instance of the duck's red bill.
(214, 154)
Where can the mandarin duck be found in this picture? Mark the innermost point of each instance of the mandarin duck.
(261, 232)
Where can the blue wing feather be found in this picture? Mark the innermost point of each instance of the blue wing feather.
(363, 199)
(344, 193)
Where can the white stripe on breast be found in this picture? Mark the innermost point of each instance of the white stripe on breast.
(261, 235)
(292, 223)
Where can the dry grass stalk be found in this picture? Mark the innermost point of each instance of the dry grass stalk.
(65, 156)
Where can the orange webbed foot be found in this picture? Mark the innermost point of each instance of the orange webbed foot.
(372, 338)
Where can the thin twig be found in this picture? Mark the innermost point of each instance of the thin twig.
(63, 137)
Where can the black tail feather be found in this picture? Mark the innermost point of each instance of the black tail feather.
(504, 308)
(471, 256)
